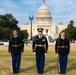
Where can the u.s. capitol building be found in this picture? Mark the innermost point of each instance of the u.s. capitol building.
(44, 20)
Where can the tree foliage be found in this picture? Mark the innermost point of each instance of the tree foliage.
(24, 34)
(71, 24)
(70, 31)
(7, 24)
(8, 20)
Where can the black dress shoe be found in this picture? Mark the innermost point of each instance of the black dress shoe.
(17, 72)
(60, 73)
(13, 72)
(63, 73)
(40, 73)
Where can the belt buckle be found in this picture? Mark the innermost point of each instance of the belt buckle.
(15, 45)
(62, 46)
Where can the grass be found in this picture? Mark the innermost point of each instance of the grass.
(28, 65)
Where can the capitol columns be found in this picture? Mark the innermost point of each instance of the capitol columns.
(31, 18)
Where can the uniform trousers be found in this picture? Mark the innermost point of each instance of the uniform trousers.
(40, 62)
(16, 58)
(63, 63)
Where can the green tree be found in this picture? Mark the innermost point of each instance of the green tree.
(1, 33)
(5, 33)
(8, 20)
(71, 24)
(7, 24)
(24, 34)
(71, 31)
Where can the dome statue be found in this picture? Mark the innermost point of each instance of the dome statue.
(43, 14)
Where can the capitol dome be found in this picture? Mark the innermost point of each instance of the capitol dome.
(43, 14)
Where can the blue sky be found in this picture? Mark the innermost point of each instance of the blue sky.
(61, 10)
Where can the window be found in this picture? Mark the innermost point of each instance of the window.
(46, 30)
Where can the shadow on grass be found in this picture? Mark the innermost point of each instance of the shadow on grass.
(27, 69)
(51, 67)
(72, 65)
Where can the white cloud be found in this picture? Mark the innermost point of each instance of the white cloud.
(22, 17)
(2, 11)
(61, 10)
(32, 3)
(7, 5)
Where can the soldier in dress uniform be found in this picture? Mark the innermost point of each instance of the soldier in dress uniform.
(16, 47)
(40, 47)
(62, 48)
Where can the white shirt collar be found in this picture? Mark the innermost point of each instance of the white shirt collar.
(40, 36)
(63, 38)
(15, 36)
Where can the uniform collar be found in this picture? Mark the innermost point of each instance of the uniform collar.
(40, 36)
(15, 36)
(63, 38)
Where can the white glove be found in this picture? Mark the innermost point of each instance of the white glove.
(34, 53)
(45, 53)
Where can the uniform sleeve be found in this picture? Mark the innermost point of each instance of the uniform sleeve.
(68, 47)
(33, 45)
(9, 46)
(56, 46)
(22, 45)
(46, 45)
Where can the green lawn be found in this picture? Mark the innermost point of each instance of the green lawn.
(28, 66)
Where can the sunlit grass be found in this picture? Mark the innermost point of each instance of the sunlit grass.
(28, 65)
